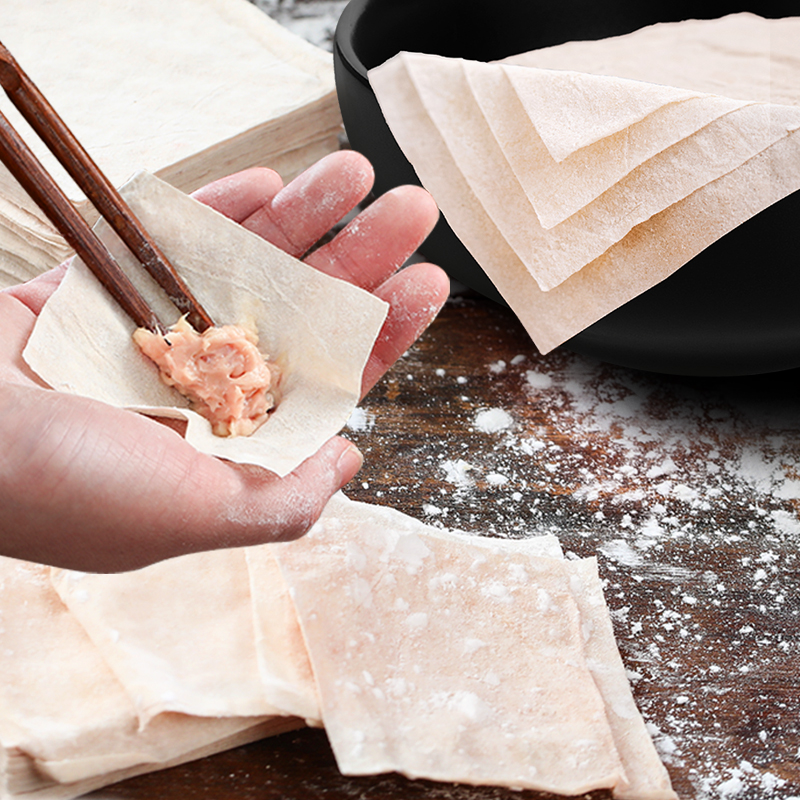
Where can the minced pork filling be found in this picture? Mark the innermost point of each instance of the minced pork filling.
(221, 371)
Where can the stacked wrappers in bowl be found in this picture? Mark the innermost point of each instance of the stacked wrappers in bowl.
(581, 175)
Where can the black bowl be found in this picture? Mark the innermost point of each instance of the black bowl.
(732, 310)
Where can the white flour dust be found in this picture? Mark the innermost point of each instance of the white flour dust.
(688, 491)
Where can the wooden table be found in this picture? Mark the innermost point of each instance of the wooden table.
(688, 491)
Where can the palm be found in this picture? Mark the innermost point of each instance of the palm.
(92, 487)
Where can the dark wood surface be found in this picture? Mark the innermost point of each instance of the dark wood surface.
(687, 490)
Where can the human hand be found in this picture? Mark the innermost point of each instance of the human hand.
(88, 486)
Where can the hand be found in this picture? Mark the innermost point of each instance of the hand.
(91, 487)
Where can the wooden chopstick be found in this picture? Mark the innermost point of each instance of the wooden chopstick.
(33, 177)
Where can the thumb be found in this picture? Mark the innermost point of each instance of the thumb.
(269, 510)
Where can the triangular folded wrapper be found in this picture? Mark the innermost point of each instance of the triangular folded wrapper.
(553, 255)
(458, 658)
(67, 725)
(591, 170)
(178, 634)
(650, 252)
(572, 110)
(318, 329)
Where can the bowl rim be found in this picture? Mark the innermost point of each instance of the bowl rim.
(343, 38)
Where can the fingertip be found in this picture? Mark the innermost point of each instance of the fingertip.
(357, 167)
(418, 292)
(435, 279)
(342, 456)
(347, 173)
(350, 462)
(36, 292)
(422, 202)
(304, 493)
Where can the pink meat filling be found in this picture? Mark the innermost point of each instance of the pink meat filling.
(221, 371)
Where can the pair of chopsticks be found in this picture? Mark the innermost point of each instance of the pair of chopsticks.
(37, 182)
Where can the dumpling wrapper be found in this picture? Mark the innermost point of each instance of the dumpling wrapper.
(186, 84)
(65, 717)
(645, 775)
(318, 329)
(590, 171)
(178, 634)
(457, 658)
(346, 514)
(572, 110)
(743, 56)
(282, 652)
(551, 256)
(651, 252)
(280, 648)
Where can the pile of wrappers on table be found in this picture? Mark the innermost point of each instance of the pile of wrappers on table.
(431, 653)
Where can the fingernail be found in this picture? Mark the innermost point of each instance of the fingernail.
(349, 464)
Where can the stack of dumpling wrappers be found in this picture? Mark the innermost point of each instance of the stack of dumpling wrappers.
(431, 653)
(190, 89)
(580, 175)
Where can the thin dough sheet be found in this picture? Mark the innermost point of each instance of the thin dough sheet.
(280, 647)
(65, 716)
(178, 635)
(226, 70)
(645, 775)
(551, 256)
(318, 329)
(572, 110)
(650, 252)
(451, 657)
(742, 56)
(559, 189)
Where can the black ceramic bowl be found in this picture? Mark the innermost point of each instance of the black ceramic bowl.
(732, 310)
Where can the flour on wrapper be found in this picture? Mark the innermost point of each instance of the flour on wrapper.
(319, 330)
(178, 634)
(65, 716)
(465, 659)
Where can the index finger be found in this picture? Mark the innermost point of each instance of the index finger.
(380, 239)
(316, 200)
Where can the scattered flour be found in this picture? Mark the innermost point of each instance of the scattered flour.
(360, 420)
(493, 420)
(688, 491)
(457, 473)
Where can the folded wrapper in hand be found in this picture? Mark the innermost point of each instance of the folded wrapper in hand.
(318, 329)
